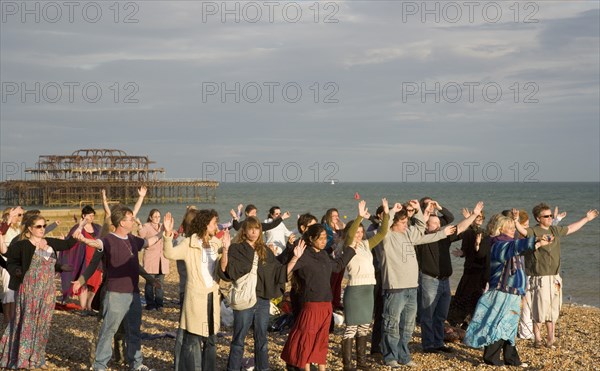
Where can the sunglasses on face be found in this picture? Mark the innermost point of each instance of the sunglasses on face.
(40, 226)
(410, 210)
(545, 216)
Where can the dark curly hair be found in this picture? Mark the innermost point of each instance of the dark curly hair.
(201, 221)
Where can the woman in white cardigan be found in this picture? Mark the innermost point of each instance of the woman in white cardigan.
(358, 296)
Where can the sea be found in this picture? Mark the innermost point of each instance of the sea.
(580, 260)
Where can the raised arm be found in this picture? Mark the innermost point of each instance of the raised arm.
(447, 216)
(180, 251)
(465, 223)
(589, 216)
(515, 215)
(272, 224)
(142, 193)
(383, 229)
(298, 251)
(362, 211)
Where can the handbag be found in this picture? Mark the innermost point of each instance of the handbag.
(243, 291)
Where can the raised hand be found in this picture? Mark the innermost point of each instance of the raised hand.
(299, 249)
(240, 207)
(14, 214)
(450, 230)
(168, 223)
(362, 209)
(478, 208)
(515, 214)
(386, 205)
(591, 215)
(397, 207)
(285, 215)
(415, 204)
(466, 213)
(233, 214)
(142, 191)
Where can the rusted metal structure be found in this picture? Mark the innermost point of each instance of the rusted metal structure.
(69, 180)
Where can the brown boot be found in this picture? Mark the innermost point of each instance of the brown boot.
(361, 353)
(347, 354)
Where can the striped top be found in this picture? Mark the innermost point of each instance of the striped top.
(507, 272)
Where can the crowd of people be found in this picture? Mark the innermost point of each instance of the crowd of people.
(397, 273)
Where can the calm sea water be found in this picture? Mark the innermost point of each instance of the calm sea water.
(580, 262)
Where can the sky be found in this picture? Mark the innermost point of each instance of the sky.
(259, 91)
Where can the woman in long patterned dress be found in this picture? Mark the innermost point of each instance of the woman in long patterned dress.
(31, 267)
(494, 324)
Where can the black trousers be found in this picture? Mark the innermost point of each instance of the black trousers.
(491, 354)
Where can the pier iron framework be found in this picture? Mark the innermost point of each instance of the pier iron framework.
(70, 180)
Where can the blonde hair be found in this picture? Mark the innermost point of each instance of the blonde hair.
(501, 223)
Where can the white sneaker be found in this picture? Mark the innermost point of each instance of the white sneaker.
(143, 368)
(411, 364)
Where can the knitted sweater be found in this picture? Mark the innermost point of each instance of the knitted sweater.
(361, 270)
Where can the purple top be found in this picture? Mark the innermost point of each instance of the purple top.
(121, 262)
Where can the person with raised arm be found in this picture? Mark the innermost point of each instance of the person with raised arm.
(79, 257)
(31, 263)
(543, 268)
(154, 262)
(251, 210)
(200, 317)
(400, 274)
(122, 299)
(250, 253)
(435, 269)
(494, 324)
(308, 341)
(358, 295)
(11, 228)
(475, 276)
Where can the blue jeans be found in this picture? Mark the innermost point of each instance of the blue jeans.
(399, 312)
(120, 307)
(242, 320)
(155, 296)
(435, 301)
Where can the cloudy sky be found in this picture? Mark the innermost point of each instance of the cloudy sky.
(305, 91)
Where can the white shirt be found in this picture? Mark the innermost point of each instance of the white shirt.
(277, 236)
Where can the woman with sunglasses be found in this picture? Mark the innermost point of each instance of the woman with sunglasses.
(31, 267)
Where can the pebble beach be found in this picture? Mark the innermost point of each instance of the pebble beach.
(70, 335)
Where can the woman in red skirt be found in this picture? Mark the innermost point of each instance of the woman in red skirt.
(308, 341)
